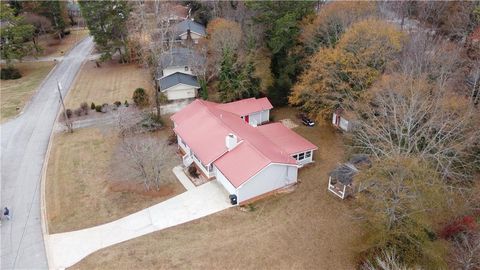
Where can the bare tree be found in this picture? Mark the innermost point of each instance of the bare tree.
(154, 34)
(466, 251)
(146, 155)
(405, 116)
(387, 260)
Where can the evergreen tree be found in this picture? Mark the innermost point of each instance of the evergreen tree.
(107, 22)
(228, 77)
(56, 12)
(14, 33)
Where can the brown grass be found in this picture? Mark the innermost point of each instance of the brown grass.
(16, 93)
(306, 229)
(82, 187)
(112, 82)
(52, 46)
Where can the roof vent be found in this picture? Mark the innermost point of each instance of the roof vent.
(230, 141)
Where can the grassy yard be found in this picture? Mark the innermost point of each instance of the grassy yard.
(107, 84)
(54, 47)
(86, 184)
(16, 93)
(306, 229)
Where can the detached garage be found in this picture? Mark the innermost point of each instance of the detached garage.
(179, 86)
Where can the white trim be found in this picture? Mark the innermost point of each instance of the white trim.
(186, 33)
(271, 163)
(193, 86)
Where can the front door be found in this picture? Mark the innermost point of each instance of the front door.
(246, 118)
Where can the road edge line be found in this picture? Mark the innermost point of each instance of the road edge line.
(43, 204)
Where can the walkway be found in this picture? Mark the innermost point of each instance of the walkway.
(24, 142)
(66, 249)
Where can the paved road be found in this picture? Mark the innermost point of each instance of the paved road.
(24, 142)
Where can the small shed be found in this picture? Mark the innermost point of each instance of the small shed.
(340, 181)
(343, 119)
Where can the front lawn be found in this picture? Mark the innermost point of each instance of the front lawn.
(107, 84)
(15, 93)
(52, 46)
(306, 229)
(89, 182)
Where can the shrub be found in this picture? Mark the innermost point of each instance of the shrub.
(92, 106)
(10, 74)
(84, 107)
(78, 112)
(192, 170)
(69, 113)
(98, 108)
(151, 122)
(466, 223)
(162, 98)
(126, 103)
(140, 97)
(117, 103)
(172, 139)
(104, 107)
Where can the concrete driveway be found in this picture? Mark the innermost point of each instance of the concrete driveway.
(66, 249)
(24, 141)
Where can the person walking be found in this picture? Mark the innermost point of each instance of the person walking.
(6, 213)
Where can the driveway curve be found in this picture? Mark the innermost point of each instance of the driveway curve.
(24, 142)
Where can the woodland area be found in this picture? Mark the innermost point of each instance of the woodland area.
(408, 72)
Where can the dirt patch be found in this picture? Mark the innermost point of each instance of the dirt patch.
(52, 46)
(308, 228)
(288, 123)
(139, 188)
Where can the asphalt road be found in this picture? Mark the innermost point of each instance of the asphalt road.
(24, 142)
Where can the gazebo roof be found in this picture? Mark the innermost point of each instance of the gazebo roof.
(344, 173)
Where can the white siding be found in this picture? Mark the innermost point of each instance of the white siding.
(180, 91)
(272, 177)
(259, 117)
(265, 116)
(170, 70)
(343, 124)
(255, 118)
(224, 181)
(195, 37)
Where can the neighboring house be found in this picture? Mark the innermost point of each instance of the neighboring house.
(179, 60)
(248, 161)
(179, 86)
(177, 12)
(189, 29)
(342, 119)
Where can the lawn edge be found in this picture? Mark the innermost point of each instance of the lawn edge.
(43, 205)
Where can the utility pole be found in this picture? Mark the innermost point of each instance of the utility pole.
(67, 121)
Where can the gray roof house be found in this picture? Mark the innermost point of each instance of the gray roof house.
(179, 86)
(190, 28)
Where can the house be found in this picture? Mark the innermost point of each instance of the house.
(179, 86)
(342, 119)
(179, 60)
(249, 161)
(176, 13)
(189, 29)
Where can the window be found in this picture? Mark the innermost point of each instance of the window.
(295, 157)
(301, 156)
(308, 154)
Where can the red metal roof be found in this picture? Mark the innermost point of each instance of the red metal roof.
(285, 138)
(203, 126)
(247, 106)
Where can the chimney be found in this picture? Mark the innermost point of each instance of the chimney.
(230, 141)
